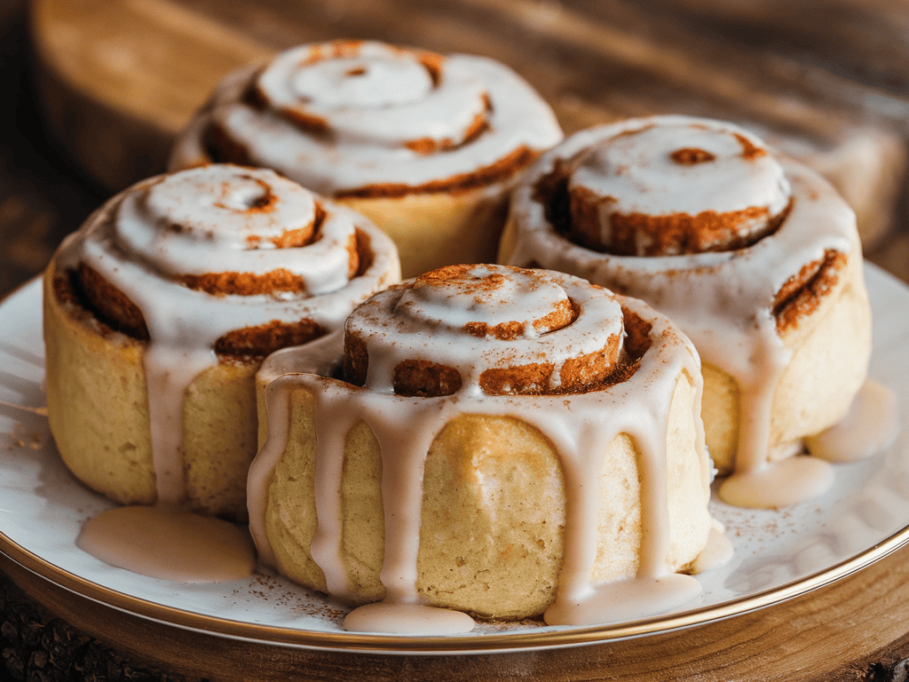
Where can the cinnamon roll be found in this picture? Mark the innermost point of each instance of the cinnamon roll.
(425, 145)
(160, 309)
(753, 255)
(490, 440)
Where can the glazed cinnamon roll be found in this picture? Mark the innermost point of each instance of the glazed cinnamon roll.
(425, 145)
(490, 440)
(160, 309)
(753, 255)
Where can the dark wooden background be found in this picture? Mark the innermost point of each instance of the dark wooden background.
(43, 196)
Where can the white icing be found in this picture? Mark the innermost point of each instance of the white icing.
(717, 553)
(169, 544)
(722, 300)
(580, 426)
(408, 619)
(421, 322)
(636, 173)
(372, 115)
(131, 241)
(778, 484)
(637, 170)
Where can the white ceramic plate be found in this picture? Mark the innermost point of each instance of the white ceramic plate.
(778, 554)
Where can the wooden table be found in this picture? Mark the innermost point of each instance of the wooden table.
(827, 79)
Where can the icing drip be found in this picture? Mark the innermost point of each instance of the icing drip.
(349, 116)
(427, 317)
(284, 257)
(169, 544)
(701, 221)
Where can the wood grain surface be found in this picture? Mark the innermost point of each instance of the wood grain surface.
(114, 80)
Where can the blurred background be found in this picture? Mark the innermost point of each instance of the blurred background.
(93, 90)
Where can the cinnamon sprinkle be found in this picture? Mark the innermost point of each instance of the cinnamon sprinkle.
(420, 378)
(267, 338)
(245, 283)
(802, 293)
(428, 145)
(564, 314)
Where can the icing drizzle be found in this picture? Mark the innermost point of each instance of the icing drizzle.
(347, 116)
(699, 219)
(153, 241)
(403, 321)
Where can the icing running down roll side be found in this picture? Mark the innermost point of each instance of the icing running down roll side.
(503, 442)
(160, 309)
(753, 255)
(425, 145)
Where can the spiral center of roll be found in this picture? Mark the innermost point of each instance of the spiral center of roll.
(490, 329)
(675, 189)
(227, 230)
(393, 79)
(227, 207)
(483, 300)
(374, 95)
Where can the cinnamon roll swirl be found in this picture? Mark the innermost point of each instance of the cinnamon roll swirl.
(753, 255)
(490, 440)
(423, 144)
(160, 309)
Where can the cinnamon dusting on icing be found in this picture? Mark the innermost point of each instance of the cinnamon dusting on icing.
(505, 167)
(590, 365)
(142, 277)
